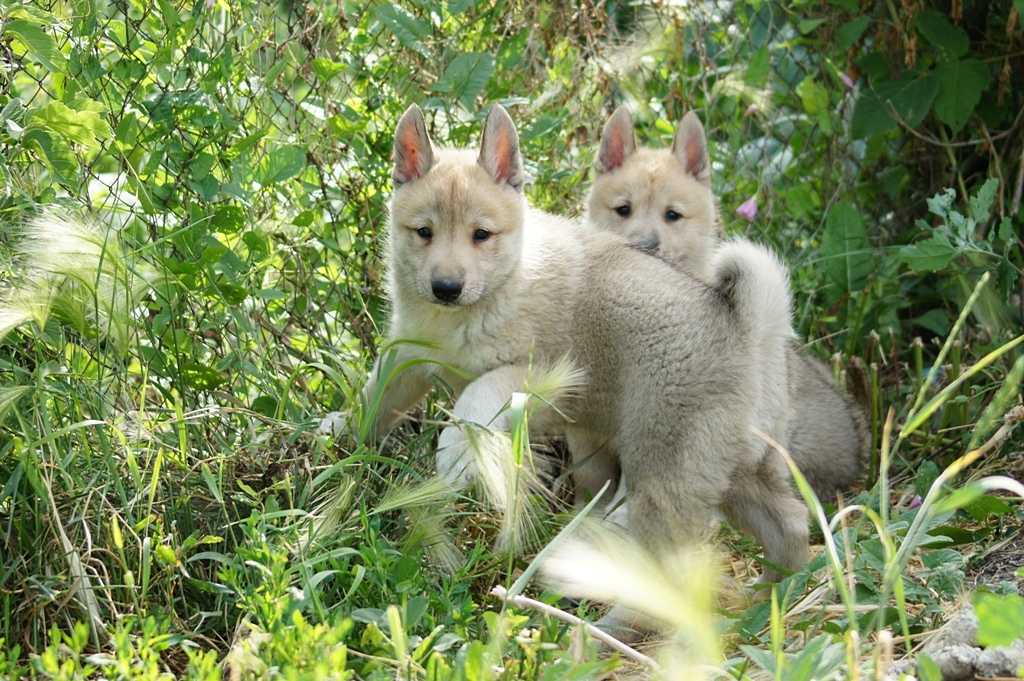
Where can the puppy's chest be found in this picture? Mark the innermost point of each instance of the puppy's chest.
(475, 344)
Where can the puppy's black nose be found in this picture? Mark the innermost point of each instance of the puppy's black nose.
(446, 290)
(648, 243)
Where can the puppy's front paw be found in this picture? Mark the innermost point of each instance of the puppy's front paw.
(335, 423)
(454, 457)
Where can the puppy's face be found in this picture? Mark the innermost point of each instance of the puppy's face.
(456, 216)
(660, 200)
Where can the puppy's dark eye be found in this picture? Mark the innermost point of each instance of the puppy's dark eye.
(481, 235)
(672, 216)
(425, 232)
(624, 210)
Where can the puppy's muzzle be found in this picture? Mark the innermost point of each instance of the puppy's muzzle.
(648, 244)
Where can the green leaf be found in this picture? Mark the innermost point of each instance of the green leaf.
(937, 29)
(759, 68)
(1000, 618)
(283, 163)
(815, 100)
(986, 506)
(805, 26)
(927, 473)
(201, 376)
(960, 86)
(409, 30)
(911, 98)
(475, 665)
(227, 219)
(54, 151)
(870, 117)
(936, 321)
(908, 98)
(460, 6)
(465, 77)
(927, 670)
(39, 44)
(850, 32)
(845, 248)
(85, 126)
(980, 205)
(929, 255)
(325, 69)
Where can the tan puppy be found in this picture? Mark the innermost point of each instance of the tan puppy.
(661, 201)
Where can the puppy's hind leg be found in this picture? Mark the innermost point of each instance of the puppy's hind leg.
(593, 464)
(765, 504)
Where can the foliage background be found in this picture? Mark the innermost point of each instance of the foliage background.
(158, 443)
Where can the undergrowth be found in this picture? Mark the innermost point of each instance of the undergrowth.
(169, 504)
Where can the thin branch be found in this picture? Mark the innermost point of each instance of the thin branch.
(946, 143)
(1015, 204)
(615, 644)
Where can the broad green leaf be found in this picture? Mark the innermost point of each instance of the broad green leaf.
(283, 163)
(927, 669)
(960, 86)
(54, 152)
(9, 397)
(870, 117)
(227, 219)
(85, 126)
(987, 505)
(409, 30)
(910, 98)
(475, 665)
(937, 321)
(325, 69)
(1000, 618)
(846, 252)
(201, 376)
(851, 31)
(460, 6)
(758, 68)
(929, 255)
(815, 100)
(980, 204)
(465, 77)
(39, 44)
(805, 26)
(937, 29)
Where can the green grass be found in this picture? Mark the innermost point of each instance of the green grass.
(168, 507)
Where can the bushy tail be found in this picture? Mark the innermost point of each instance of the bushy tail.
(756, 284)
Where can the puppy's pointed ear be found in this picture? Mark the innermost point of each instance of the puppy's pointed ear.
(618, 141)
(499, 149)
(414, 154)
(691, 148)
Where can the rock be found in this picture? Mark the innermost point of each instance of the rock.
(956, 662)
(904, 666)
(1005, 661)
(961, 629)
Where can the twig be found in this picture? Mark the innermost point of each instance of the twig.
(998, 163)
(1010, 421)
(946, 143)
(1015, 204)
(610, 641)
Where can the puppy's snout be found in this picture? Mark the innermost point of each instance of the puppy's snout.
(446, 290)
(648, 242)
